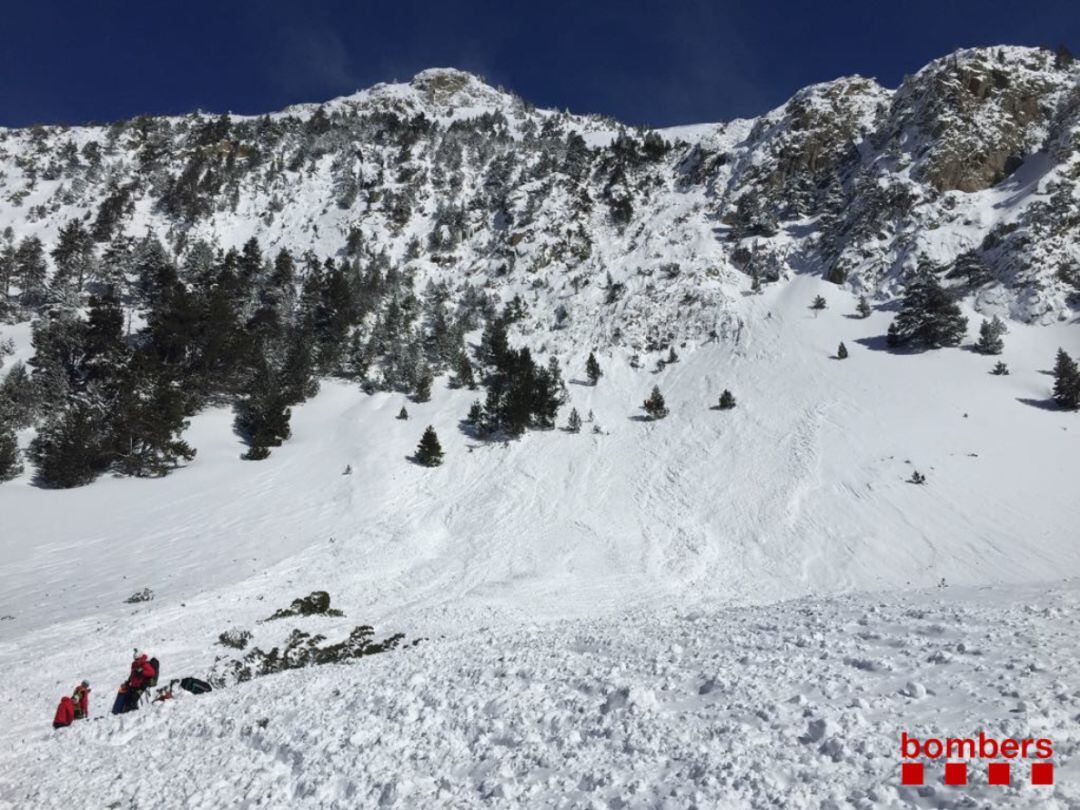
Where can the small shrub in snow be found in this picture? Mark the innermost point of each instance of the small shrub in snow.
(145, 595)
(863, 307)
(403, 414)
(573, 424)
(302, 650)
(841, 353)
(819, 303)
(1000, 369)
(727, 401)
(317, 603)
(655, 406)
(236, 639)
(917, 478)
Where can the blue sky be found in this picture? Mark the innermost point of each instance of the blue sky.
(651, 63)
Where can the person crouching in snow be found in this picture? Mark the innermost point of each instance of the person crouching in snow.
(81, 700)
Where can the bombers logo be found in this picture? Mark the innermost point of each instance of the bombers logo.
(981, 747)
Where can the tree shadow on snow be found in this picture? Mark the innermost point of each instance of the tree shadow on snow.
(1047, 404)
(879, 343)
(637, 417)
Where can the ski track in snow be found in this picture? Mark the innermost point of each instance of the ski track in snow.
(600, 612)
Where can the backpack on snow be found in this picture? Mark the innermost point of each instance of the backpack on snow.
(195, 686)
(152, 681)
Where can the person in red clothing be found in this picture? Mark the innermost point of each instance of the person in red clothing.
(142, 672)
(65, 713)
(81, 698)
(142, 675)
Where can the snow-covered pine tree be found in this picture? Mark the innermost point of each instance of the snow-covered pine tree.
(30, 273)
(70, 449)
(592, 369)
(429, 452)
(1000, 369)
(929, 317)
(990, 336)
(573, 423)
(863, 307)
(819, 303)
(655, 406)
(727, 400)
(841, 352)
(1066, 382)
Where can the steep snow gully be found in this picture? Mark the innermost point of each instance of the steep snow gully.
(598, 613)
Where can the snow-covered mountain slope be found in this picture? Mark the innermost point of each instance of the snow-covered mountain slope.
(715, 609)
(970, 166)
(548, 574)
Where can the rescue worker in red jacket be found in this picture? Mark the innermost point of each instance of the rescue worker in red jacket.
(81, 698)
(142, 673)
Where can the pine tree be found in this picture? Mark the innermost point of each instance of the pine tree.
(573, 424)
(655, 406)
(147, 422)
(493, 409)
(476, 414)
(592, 369)
(10, 465)
(1000, 369)
(1066, 382)
(557, 383)
(70, 449)
(30, 272)
(429, 452)
(263, 415)
(464, 371)
(672, 356)
(75, 260)
(819, 303)
(928, 317)
(727, 400)
(841, 353)
(863, 308)
(990, 333)
(424, 382)
(403, 414)
(917, 478)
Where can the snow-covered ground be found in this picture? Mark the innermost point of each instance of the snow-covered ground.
(608, 617)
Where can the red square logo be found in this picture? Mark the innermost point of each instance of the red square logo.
(1042, 773)
(955, 773)
(998, 773)
(911, 773)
